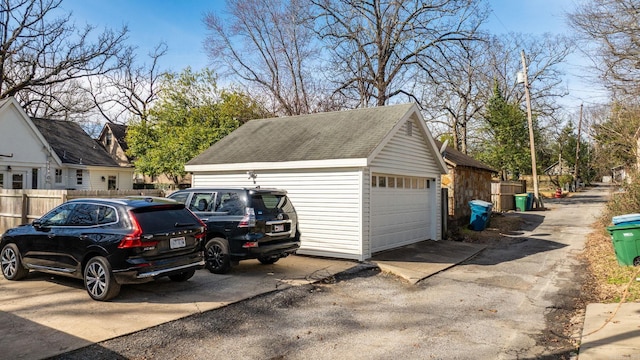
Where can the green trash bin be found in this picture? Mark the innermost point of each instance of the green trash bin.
(521, 202)
(626, 243)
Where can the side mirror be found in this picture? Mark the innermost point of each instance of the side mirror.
(37, 224)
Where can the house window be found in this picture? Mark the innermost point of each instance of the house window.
(34, 178)
(16, 181)
(374, 181)
(391, 182)
(400, 183)
(58, 176)
(109, 138)
(382, 181)
(79, 177)
(111, 185)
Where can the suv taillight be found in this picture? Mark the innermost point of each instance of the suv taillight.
(134, 239)
(249, 218)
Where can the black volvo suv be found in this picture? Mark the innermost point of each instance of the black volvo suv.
(107, 243)
(243, 223)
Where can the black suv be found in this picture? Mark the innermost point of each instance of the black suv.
(108, 242)
(243, 223)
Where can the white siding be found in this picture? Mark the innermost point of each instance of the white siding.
(401, 216)
(328, 203)
(124, 178)
(406, 155)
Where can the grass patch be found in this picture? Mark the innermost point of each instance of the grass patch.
(609, 282)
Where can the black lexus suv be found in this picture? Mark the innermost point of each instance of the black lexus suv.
(243, 223)
(107, 243)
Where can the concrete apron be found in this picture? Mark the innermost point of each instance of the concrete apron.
(46, 315)
(420, 260)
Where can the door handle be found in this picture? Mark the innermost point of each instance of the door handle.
(51, 236)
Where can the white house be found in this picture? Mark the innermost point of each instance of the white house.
(362, 181)
(53, 154)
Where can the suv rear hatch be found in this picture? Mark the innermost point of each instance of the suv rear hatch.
(166, 230)
(275, 215)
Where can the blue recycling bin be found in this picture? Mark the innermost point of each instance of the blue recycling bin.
(480, 214)
(627, 219)
(529, 201)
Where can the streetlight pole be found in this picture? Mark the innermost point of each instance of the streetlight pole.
(534, 173)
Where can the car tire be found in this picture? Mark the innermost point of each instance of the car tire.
(269, 260)
(99, 281)
(184, 276)
(216, 254)
(12, 267)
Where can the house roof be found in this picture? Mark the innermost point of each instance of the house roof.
(72, 144)
(120, 133)
(457, 158)
(351, 134)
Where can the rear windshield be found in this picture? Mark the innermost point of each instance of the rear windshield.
(271, 203)
(157, 219)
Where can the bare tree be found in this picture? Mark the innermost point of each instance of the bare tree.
(129, 91)
(43, 58)
(614, 26)
(457, 91)
(379, 46)
(268, 44)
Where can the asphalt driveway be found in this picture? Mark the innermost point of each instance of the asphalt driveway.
(46, 315)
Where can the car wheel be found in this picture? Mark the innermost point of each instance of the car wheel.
(12, 268)
(216, 253)
(268, 260)
(636, 261)
(183, 276)
(99, 281)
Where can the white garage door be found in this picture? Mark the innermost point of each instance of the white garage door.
(402, 210)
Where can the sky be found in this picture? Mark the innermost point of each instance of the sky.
(180, 25)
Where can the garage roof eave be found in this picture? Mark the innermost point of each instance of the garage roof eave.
(285, 165)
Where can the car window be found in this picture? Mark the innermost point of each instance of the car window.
(202, 201)
(231, 203)
(83, 215)
(179, 197)
(107, 215)
(58, 216)
(162, 219)
(269, 203)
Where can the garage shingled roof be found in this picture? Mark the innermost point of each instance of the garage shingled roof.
(352, 134)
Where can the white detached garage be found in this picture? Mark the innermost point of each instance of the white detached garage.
(362, 181)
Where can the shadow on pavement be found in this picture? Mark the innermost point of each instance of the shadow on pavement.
(25, 339)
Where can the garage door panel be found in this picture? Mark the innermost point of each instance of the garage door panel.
(399, 217)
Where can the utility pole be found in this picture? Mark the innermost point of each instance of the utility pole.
(534, 172)
(578, 148)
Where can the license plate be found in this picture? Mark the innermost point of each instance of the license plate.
(278, 228)
(178, 243)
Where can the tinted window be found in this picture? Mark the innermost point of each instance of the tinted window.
(231, 203)
(107, 215)
(58, 216)
(202, 202)
(271, 203)
(84, 215)
(179, 197)
(162, 218)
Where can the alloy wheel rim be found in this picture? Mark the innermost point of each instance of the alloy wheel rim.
(96, 279)
(9, 262)
(215, 256)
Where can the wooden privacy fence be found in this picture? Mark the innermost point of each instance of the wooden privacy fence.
(503, 194)
(19, 207)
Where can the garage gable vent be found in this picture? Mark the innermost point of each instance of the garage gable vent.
(409, 128)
